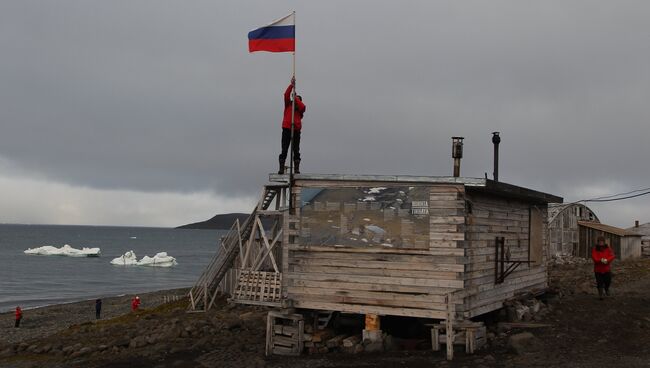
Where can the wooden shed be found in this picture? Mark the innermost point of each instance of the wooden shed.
(644, 232)
(385, 245)
(624, 243)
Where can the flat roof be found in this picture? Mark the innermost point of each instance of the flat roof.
(473, 184)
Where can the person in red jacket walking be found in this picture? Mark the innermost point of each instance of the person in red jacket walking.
(602, 256)
(286, 128)
(135, 303)
(19, 317)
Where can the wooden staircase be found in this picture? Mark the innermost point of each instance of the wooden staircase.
(236, 243)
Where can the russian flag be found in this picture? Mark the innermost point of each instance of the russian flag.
(278, 36)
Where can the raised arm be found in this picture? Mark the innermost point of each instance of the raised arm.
(287, 95)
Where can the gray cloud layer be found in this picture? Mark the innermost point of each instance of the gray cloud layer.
(162, 96)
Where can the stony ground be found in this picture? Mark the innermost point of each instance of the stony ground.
(42, 322)
(583, 332)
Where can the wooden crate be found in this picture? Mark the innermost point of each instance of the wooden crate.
(284, 334)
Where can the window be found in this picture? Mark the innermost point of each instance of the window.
(390, 217)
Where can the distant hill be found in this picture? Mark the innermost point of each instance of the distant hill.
(218, 222)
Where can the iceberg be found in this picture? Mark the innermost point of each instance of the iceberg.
(129, 258)
(159, 260)
(65, 250)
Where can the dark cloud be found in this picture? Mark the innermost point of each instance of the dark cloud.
(163, 95)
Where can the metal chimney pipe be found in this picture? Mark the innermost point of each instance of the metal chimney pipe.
(457, 153)
(496, 139)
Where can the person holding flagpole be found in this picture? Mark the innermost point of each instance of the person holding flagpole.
(294, 109)
(280, 36)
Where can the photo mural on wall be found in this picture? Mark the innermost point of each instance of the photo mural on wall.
(366, 216)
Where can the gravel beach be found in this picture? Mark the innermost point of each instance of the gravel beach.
(44, 321)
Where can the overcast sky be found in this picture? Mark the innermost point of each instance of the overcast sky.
(154, 113)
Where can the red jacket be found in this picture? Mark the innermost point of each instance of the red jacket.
(135, 303)
(19, 313)
(597, 255)
(297, 116)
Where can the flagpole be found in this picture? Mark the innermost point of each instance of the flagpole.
(293, 102)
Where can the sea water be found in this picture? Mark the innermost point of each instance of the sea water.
(32, 280)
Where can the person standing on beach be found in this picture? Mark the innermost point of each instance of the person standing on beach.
(19, 316)
(135, 303)
(297, 114)
(98, 308)
(602, 256)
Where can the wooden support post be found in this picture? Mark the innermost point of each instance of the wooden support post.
(435, 338)
(450, 327)
(269, 334)
(470, 338)
(372, 322)
(372, 331)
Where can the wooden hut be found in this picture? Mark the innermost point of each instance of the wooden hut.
(624, 243)
(644, 231)
(386, 245)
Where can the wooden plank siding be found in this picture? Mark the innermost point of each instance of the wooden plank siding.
(491, 217)
(382, 280)
(460, 258)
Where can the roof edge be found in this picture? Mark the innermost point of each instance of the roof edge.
(478, 184)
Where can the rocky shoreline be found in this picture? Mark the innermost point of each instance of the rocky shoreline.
(44, 321)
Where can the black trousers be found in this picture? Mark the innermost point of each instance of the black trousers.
(603, 280)
(295, 146)
(18, 323)
(98, 314)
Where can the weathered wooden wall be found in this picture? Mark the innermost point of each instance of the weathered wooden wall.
(491, 217)
(386, 281)
(588, 237)
(463, 225)
(630, 247)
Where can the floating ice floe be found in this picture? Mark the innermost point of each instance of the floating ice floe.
(126, 259)
(65, 250)
(159, 260)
